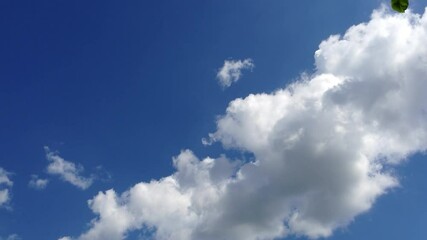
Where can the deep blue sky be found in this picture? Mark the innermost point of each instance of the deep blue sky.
(128, 84)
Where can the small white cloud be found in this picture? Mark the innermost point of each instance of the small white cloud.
(38, 183)
(68, 171)
(5, 184)
(208, 141)
(231, 71)
(4, 178)
(4, 196)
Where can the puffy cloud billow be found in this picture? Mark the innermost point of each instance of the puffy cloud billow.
(322, 147)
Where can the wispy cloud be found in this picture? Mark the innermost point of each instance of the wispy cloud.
(11, 237)
(38, 183)
(231, 71)
(66, 170)
(5, 184)
(322, 147)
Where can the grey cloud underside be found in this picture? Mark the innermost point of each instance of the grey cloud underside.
(322, 146)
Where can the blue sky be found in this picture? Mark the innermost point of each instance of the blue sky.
(120, 88)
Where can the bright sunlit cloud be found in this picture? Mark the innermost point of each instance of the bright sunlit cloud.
(322, 147)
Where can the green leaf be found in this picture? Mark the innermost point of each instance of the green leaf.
(399, 5)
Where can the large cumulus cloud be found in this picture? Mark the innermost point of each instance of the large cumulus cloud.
(322, 147)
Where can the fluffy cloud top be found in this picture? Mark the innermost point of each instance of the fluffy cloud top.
(5, 184)
(68, 171)
(38, 183)
(322, 147)
(231, 71)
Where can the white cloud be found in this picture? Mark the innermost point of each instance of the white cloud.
(321, 146)
(68, 171)
(37, 183)
(5, 184)
(4, 196)
(65, 238)
(4, 178)
(231, 71)
(171, 205)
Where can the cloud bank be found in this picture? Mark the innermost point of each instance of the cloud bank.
(5, 184)
(67, 171)
(322, 147)
(231, 71)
